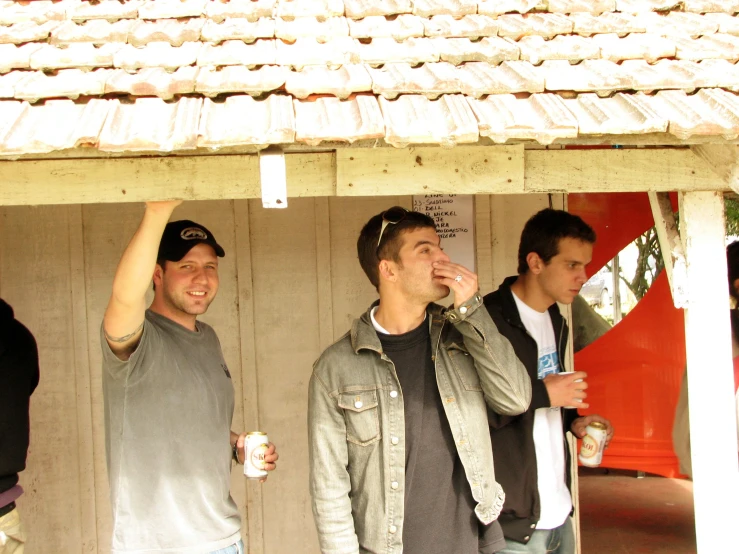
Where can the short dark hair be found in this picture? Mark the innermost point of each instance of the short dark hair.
(370, 253)
(545, 229)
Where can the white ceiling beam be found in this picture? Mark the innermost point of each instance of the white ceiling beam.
(673, 252)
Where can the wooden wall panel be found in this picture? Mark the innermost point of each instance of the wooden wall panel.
(284, 273)
(37, 281)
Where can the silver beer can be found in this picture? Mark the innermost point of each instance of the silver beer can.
(255, 446)
(593, 444)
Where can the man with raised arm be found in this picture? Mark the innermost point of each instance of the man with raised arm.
(169, 399)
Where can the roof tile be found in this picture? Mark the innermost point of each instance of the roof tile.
(157, 54)
(39, 12)
(11, 112)
(634, 46)
(643, 6)
(589, 6)
(671, 74)
(68, 83)
(329, 119)
(430, 79)
(321, 30)
(75, 56)
(310, 8)
(601, 76)
(235, 52)
(562, 47)
(387, 50)
(172, 31)
(237, 78)
(74, 125)
(110, 10)
(251, 10)
(16, 57)
(540, 117)
(622, 114)
(9, 81)
(478, 79)
(718, 46)
(97, 32)
(712, 6)
(376, 26)
(358, 9)
(414, 119)
(708, 112)
(720, 73)
(341, 82)
(546, 25)
(456, 8)
(498, 7)
(152, 81)
(243, 120)
(237, 28)
(726, 23)
(308, 51)
(493, 50)
(27, 31)
(171, 9)
(618, 23)
(469, 26)
(678, 24)
(151, 124)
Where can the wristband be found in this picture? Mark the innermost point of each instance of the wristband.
(235, 450)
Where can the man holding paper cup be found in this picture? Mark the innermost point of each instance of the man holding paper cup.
(531, 455)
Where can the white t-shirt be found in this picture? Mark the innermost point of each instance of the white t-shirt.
(554, 496)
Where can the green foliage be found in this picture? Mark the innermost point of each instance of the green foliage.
(731, 206)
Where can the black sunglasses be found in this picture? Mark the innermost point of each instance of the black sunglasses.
(394, 215)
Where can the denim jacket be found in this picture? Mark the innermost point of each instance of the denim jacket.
(356, 427)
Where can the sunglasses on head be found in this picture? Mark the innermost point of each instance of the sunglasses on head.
(394, 215)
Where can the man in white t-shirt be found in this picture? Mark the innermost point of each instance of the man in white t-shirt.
(531, 456)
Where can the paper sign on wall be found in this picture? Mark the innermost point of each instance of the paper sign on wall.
(455, 223)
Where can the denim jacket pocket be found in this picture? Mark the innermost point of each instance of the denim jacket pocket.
(361, 416)
(464, 367)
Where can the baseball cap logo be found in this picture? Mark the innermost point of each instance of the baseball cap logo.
(193, 233)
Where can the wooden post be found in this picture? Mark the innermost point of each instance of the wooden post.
(710, 375)
(673, 252)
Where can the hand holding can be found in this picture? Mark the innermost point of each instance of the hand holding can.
(257, 444)
(593, 444)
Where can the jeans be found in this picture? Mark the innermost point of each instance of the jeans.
(560, 540)
(237, 548)
(12, 538)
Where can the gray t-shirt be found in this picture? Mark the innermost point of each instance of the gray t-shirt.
(168, 412)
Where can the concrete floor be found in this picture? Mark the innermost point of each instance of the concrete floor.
(620, 514)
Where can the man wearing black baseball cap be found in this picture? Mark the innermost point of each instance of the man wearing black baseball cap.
(169, 400)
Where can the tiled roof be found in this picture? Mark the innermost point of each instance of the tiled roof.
(178, 75)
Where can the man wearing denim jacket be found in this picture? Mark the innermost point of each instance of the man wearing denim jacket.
(400, 453)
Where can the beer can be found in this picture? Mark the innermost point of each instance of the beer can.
(593, 444)
(254, 449)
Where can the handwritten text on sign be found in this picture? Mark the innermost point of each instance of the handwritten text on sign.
(455, 223)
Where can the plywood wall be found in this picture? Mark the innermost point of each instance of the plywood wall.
(290, 285)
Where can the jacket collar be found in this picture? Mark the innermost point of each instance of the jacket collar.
(510, 310)
(364, 336)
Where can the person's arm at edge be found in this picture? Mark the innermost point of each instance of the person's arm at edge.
(329, 481)
(124, 317)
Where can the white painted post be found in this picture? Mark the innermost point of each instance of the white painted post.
(710, 374)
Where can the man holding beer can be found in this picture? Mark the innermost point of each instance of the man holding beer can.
(531, 454)
(169, 399)
(400, 454)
